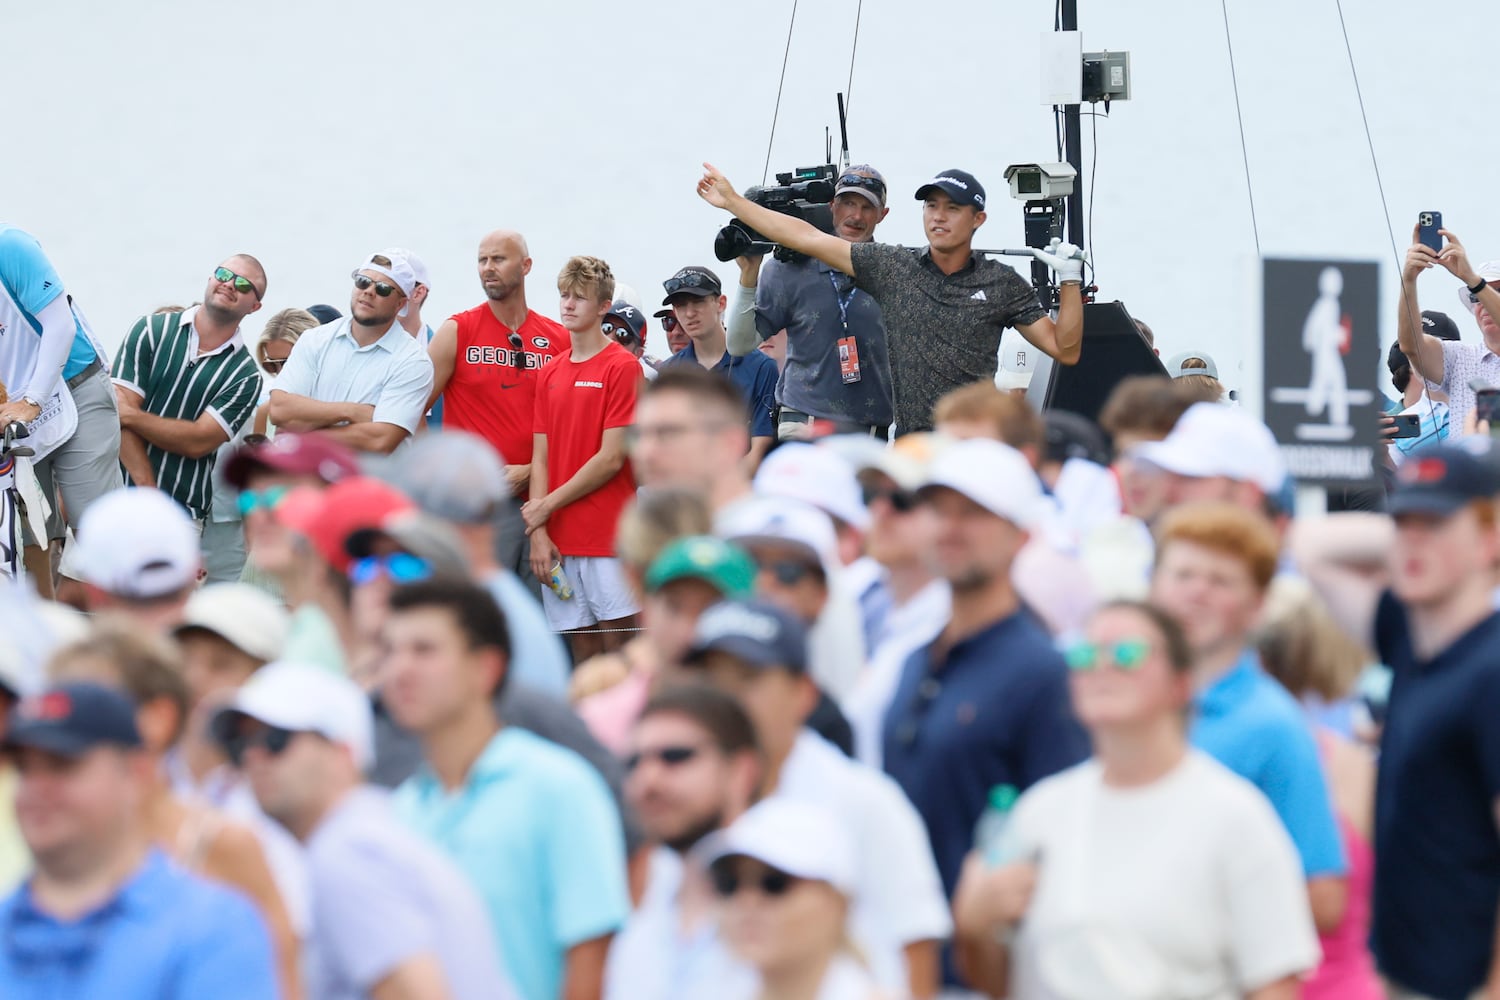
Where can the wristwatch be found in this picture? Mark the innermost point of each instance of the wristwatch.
(28, 399)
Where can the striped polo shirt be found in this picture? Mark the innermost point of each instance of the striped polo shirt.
(161, 361)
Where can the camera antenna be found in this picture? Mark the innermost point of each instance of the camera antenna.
(844, 136)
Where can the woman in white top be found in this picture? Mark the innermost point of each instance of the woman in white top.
(1146, 873)
(785, 872)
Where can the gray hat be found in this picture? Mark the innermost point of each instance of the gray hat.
(1175, 363)
(422, 535)
(452, 475)
(755, 632)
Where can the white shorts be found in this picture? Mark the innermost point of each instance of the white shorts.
(600, 594)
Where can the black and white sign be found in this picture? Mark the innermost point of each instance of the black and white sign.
(1320, 338)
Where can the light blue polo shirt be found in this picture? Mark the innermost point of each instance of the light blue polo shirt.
(165, 935)
(1250, 724)
(536, 832)
(538, 658)
(394, 374)
(33, 282)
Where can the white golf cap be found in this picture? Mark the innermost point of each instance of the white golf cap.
(816, 476)
(798, 838)
(993, 475)
(904, 460)
(781, 519)
(398, 270)
(1212, 439)
(413, 263)
(246, 617)
(137, 544)
(303, 698)
(1489, 271)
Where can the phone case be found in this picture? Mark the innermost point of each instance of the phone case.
(1428, 224)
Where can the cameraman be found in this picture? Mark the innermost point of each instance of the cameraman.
(837, 368)
(943, 306)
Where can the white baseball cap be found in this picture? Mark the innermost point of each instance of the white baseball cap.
(246, 617)
(137, 544)
(905, 459)
(306, 699)
(1489, 271)
(993, 475)
(398, 271)
(413, 262)
(816, 476)
(799, 838)
(1212, 439)
(783, 520)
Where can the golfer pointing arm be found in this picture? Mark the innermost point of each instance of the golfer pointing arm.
(944, 306)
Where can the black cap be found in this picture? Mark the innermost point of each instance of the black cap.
(72, 719)
(1446, 477)
(1072, 436)
(1439, 325)
(960, 185)
(325, 314)
(630, 316)
(759, 634)
(693, 280)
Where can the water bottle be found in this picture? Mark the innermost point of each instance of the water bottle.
(559, 582)
(992, 835)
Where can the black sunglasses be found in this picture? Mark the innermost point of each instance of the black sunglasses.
(238, 282)
(669, 322)
(788, 572)
(621, 333)
(688, 279)
(901, 501)
(272, 364)
(874, 185)
(363, 281)
(670, 756)
(272, 739)
(771, 882)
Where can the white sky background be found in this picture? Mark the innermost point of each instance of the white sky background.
(150, 140)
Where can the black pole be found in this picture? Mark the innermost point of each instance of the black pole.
(1073, 140)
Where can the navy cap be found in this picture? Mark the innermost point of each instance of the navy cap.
(692, 280)
(960, 185)
(1446, 477)
(325, 314)
(631, 317)
(72, 719)
(757, 633)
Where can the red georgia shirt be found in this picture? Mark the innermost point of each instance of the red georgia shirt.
(493, 389)
(575, 403)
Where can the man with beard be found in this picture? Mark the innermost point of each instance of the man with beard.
(693, 769)
(362, 380)
(185, 383)
(485, 364)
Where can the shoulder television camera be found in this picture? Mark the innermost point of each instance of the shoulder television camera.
(804, 193)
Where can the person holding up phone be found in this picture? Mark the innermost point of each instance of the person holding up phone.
(1450, 366)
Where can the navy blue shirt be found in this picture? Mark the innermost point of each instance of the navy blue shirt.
(1437, 852)
(754, 375)
(805, 299)
(166, 935)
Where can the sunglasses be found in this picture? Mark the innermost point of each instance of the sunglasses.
(399, 567)
(901, 501)
(238, 282)
(874, 185)
(621, 333)
(1127, 654)
(272, 739)
(267, 499)
(272, 364)
(688, 279)
(788, 572)
(382, 288)
(670, 756)
(669, 323)
(773, 883)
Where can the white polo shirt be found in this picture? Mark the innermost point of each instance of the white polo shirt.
(899, 899)
(394, 374)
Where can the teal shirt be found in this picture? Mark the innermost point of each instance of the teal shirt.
(534, 829)
(33, 283)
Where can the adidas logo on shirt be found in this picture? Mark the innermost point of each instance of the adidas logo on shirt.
(979, 296)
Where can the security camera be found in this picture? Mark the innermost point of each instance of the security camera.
(1040, 181)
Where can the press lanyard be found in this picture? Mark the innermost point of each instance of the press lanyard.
(843, 301)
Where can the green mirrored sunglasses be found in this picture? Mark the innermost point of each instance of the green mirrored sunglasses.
(1127, 654)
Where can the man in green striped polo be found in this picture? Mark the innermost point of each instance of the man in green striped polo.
(185, 383)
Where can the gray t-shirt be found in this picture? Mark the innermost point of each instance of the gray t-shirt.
(943, 329)
(804, 299)
(382, 895)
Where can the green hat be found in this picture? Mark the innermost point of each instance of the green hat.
(702, 557)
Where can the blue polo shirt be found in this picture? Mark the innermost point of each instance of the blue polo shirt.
(1437, 852)
(536, 832)
(32, 281)
(166, 935)
(1249, 723)
(754, 375)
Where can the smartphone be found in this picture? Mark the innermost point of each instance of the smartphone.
(1428, 224)
(1487, 404)
(1408, 425)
